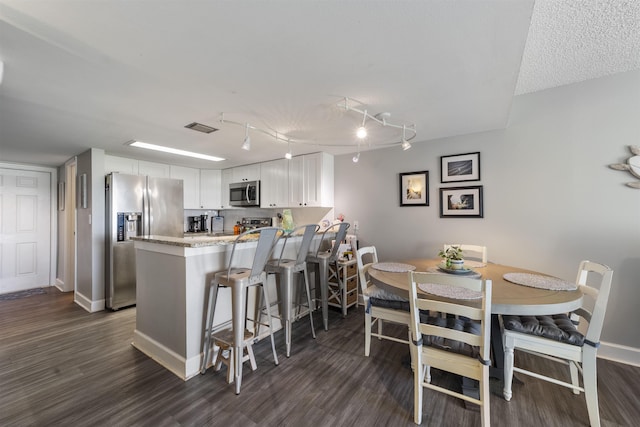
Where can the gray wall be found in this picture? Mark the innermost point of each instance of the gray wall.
(550, 199)
(90, 230)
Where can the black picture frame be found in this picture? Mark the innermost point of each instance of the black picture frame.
(461, 202)
(460, 167)
(414, 188)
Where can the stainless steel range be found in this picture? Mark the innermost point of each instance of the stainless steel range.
(255, 222)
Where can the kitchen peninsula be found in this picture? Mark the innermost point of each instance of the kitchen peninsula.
(172, 277)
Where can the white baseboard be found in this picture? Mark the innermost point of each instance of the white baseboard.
(87, 304)
(619, 353)
(62, 287)
(183, 368)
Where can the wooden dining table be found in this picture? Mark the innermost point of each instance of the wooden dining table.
(507, 297)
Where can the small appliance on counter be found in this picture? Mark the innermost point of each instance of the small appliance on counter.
(217, 224)
(197, 224)
(256, 222)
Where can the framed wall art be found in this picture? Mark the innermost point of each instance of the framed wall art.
(414, 188)
(461, 202)
(460, 167)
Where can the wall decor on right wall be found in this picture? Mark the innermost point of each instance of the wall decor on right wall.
(460, 167)
(632, 165)
(461, 202)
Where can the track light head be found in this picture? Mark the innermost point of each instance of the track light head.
(405, 145)
(356, 158)
(246, 144)
(361, 132)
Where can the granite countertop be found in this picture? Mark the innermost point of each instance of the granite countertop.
(189, 241)
(194, 240)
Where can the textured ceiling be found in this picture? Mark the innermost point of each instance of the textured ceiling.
(571, 41)
(81, 74)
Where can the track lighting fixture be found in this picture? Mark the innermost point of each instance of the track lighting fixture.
(246, 144)
(405, 144)
(380, 118)
(362, 132)
(288, 155)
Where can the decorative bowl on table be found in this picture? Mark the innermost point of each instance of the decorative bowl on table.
(447, 269)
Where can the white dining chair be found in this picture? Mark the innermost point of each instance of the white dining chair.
(559, 337)
(375, 315)
(476, 253)
(455, 340)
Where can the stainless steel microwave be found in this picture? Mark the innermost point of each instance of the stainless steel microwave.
(244, 193)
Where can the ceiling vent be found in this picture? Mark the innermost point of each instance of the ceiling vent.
(200, 127)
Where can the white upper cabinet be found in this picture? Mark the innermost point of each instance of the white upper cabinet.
(311, 180)
(120, 165)
(227, 178)
(274, 184)
(210, 186)
(156, 170)
(246, 173)
(191, 179)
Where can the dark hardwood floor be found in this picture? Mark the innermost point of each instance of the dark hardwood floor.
(62, 366)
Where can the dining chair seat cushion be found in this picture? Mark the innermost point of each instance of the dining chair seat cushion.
(387, 303)
(456, 323)
(557, 327)
(373, 291)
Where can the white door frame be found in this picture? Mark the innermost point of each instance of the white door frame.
(53, 173)
(69, 236)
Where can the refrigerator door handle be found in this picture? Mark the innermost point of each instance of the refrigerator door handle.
(145, 209)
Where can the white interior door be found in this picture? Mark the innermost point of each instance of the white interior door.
(25, 229)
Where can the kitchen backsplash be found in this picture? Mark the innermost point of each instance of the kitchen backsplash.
(301, 216)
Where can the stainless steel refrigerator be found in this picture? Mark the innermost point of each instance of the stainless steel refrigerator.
(136, 206)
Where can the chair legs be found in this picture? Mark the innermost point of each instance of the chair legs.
(286, 279)
(367, 334)
(508, 373)
(589, 377)
(213, 296)
(236, 351)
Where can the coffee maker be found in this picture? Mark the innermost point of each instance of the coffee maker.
(203, 223)
(193, 224)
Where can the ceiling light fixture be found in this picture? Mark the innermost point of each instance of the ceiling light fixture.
(405, 144)
(362, 131)
(140, 144)
(381, 118)
(246, 144)
(288, 155)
